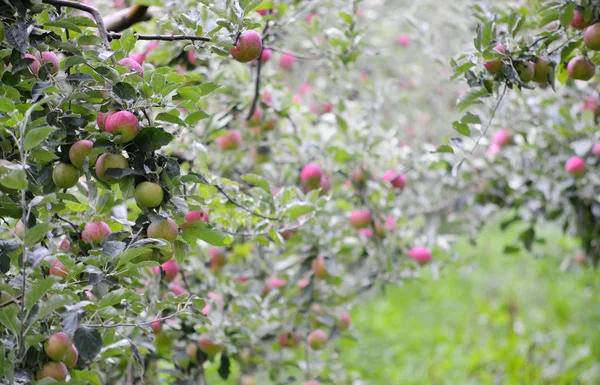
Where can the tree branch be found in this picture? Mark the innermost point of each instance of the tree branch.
(116, 35)
(234, 202)
(125, 18)
(291, 53)
(256, 88)
(115, 325)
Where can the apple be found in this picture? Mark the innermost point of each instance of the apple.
(420, 254)
(525, 70)
(139, 58)
(177, 290)
(79, 151)
(217, 258)
(57, 345)
(596, 149)
(109, 160)
(95, 232)
(541, 70)
(208, 346)
(71, 357)
(34, 67)
(360, 218)
(230, 141)
(248, 47)
(313, 382)
(397, 181)
(493, 149)
(195, 216)
(318, 267)
(360, 176)
(192, 352)
(55, 370)
(403, 40)
(592, 104)
(166, 229)
(148, 194)
(64, 245)
(311, 16)
(317, 339)
(502, 138)
(48, 57)
(156, 326)
(123, 123)
(151, 46)
(20, 229)
(58, 269)
(287, 61)
(591, 37)
(311, 176)
(580, 68)
(578, 21)
(495, 65)
(101, 120)
(171, 269)
(289, 340)
(132, 65)
(65, 175)
(575, 166)
(344, 322)
(273, 283)
(266, 55)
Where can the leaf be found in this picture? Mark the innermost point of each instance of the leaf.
(36, 233)
(36, 291)
(207, 88)
(34, 136)
(89, 376)
(54, 303)
(38, 88)
(462, 128)
(79, 77)
(566, 15)
(130, 254)
(152, 139)
(127, 40)
(444, 148)
(124, 91)
(15, 179)
(224, 367)
(169, 118)
(6, 105)
(88, 342)
(258, 181)
(297, 211)
(196, 117)
(82, 21)
(202, 231)
(9, 318)
(63, 24)
(70, 321)
(472, 97)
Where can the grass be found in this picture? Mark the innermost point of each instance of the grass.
(513, 319)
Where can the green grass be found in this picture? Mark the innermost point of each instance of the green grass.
(511, 319)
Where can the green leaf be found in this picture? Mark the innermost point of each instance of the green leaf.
(81, 21)
(169, 118)
(128, 40)
(63, 24)
(36, 291)
(131, 254)
(462, 128)
(89, 376)
(195, 117)
(471, 118)
(488, 33)
(566, 15)
(88, 342)
(9, 318)
(34, 136)
(472, 97)
(207, 88)
(297, 211)
(444, 148)
(6, 105)
(152, 139)
(16, 179)
(258, 181)
(36, 233)
(54, 303)
(202, 231)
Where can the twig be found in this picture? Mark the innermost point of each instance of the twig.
(116, 35)
(116, 325)
(234, 202)
(91, 10)
(294, 54)
(256, 88)
(73, 225)
(125, 18)
(487, 127)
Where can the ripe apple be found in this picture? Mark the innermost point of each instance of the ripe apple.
(541, 71)
(79, 151)
(266, 55)
(101, 120)
(217, 258)
(525, 70)
(318, 267)
(208, 346)
(575, 166)
(95, 232)
(495, 65)
(109, 160)
(48, 57)
(58, 269)
(248, 47)
(580, 68)
(231, 141)
(65, 175)
(166, 229)
(403, 40)
(171, 269)
(71, 357)
(287, 61)
(57, 345)
(35, 66)
(289, 340)
(502, 138)
(592, 104)
(148, 194)
(344, 322)
(132, 65)
(273, 283)
(56, 370)
(311, 176)
(420, 254)
(578, 21)
(123, 123)
(156, 326)
(192, 352)
(20, 229)
(360, 218)
(317, 339)
(139, 58)
(360, 176)
(177, 290)
(591, 37)
(596, 149)
(397, 181)
(313, 382)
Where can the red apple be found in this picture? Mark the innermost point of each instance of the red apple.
(319, 268)
(360, 218)
(55, 370)
(208, 346)
(575, 166)
(578, 21)
(79, 151)
(148, 194)
(71, 357)
(123, 123)
(495, 65)
(109, 160)
(502, 138)
(266, 55)
(231, 141)
(217, 258)
(580, 68)
(139, 58)
(132, 65)
(360, 176)
(287, 61)
(58, 269)
(35, 66)
(344, 322)
(311, 176)
(596, 149)
(57, 345)
(65, 175)
(591, 37)
(171, 269)
(397, 181)
(248, 47)
(48, 57)
(592, 104)
(403, 40)
(101, 120)
(420, 254)
(289, 340)
(317, 339)
(95, 232)
(165, 229)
